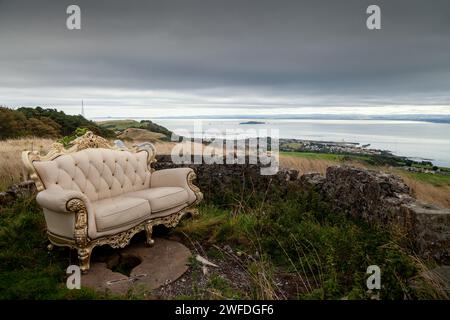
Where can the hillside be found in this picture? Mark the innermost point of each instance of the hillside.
(44, 123)
(136, 134)
(120, 125)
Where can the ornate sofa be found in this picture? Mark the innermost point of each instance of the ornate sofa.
(94, 193)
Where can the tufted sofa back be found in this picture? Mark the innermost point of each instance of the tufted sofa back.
(98, 173)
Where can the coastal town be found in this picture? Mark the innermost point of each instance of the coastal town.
(329, 147)
(354, 149)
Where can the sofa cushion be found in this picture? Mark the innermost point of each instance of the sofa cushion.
(120, 211)
(163, 198)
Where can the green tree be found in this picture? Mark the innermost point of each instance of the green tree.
(12, 124)
(68, 123)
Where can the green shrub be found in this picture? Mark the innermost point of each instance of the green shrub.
(67, 140)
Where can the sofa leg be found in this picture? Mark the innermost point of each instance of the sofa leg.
(149, 231)
(84, 256)
(194, 212)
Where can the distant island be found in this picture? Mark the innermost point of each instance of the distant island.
(252, 122)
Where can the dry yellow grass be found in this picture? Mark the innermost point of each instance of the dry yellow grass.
(305, 165)
(165, 147)
(12, 169)
(427, 192)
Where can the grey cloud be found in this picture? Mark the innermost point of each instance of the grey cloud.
(271, 47)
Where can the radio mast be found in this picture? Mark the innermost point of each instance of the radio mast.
(82, 109)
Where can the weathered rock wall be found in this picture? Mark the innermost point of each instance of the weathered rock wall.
(17, 191)
(376, 197)
(216, 179)
(385, 199)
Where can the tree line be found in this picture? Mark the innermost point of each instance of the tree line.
(46, 123)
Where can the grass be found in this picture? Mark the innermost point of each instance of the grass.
(325, 251)
(314, 156)
(304, 164)
(136, 134)
(119, 124)
(12, 169)
(325, 156)
(27, 271)
(292, 234)
(435, 179)
(216, 287)
(425, 191)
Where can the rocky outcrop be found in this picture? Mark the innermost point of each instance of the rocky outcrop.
(16, 191)
(385, 199)
(361, 193)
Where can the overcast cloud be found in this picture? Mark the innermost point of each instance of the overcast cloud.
(186, 57)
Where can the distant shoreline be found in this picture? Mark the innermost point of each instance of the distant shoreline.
(444, 119)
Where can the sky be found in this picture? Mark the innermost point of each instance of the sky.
(235, 57)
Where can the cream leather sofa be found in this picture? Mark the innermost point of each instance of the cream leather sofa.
(94, 193)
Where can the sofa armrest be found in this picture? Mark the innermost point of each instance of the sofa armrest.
(177, 177)
(56, 198)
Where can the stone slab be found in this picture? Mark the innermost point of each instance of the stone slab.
(161, 264)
